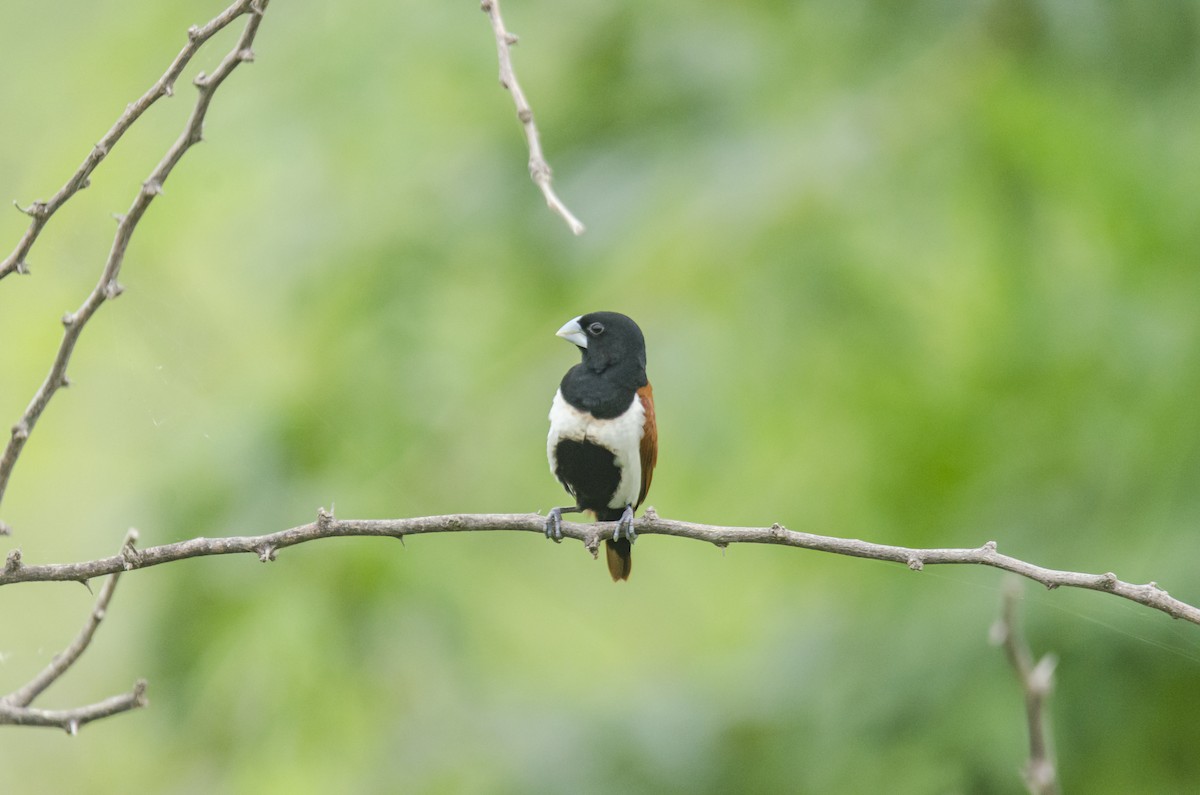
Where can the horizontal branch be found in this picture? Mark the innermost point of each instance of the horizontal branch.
(69, 720)
(326, 526)
(40, 211)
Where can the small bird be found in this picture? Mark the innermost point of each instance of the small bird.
(603, 441)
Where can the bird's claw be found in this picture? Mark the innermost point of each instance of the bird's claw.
(554, 526)
(625, 526)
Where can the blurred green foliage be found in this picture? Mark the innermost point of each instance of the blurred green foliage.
(923, 273)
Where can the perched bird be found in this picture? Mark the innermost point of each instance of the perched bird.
(603, 442)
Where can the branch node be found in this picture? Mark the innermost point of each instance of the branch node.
(1041, 678)
(778, 530)
(650, 514)
(20, 431)
(486, 6)
(5, 530)
(131, 558)
(68, 319)
(324, 519)
(119, 217)
(1108, 581)
(168, 88)
(193, 33)
(246, 55)
(266, 553)
(113, 289)
(989, 548)
(22, 267)
(13, 562)
(152, 187)
(593, 545)
(511, 38)
(139, 693)
(200, 80)
(915, 563)
(72, 727)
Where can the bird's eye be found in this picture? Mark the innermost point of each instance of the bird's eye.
(596, 329)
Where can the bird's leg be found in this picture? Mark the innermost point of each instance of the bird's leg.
(625, 526)
(554, 521)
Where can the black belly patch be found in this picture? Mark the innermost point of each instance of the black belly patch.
(589, 471)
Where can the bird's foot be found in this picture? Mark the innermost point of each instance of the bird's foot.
(625, 526)
(554, 525)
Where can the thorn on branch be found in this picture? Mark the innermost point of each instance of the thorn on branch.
(152, 187)
(35, 210)
(64, 382)
(113, 289)
(22, 267)
(246, 55)
(5, 530)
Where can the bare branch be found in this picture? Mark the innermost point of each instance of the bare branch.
(1036, 680)
(108, 287)
(69, 720)
(15, 709)
(40, 211)
(265, 547)
(539, 169)
(24, 696)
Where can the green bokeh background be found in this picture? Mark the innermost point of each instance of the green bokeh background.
(920, 273)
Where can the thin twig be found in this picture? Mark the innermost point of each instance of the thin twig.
(108, 287)
(266, 547)
(24, 696)
(1037, 680)
(539, 169)
(70, 720)
(40, 211)
(15, 709)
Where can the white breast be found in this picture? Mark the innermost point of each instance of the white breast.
(622, 435)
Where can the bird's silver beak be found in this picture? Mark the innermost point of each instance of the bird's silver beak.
(573, 332)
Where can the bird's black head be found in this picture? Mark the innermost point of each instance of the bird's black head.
(610, 342)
